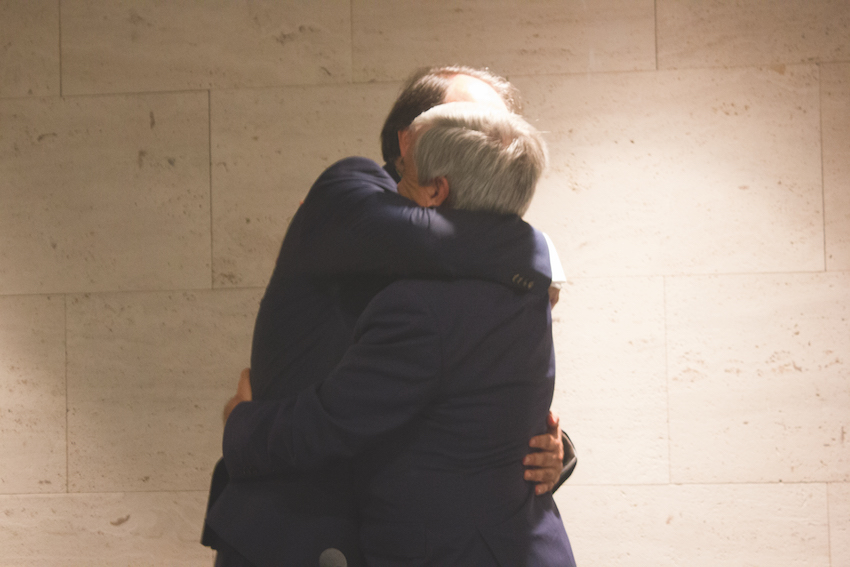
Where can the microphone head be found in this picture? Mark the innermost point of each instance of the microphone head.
(332, 557)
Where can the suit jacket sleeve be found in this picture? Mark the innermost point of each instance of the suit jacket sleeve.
(355, 222)
(384, 381)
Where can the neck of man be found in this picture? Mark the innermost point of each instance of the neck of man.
(408, 188)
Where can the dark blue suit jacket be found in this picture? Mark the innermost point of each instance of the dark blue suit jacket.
(435, 403)
(352, 235)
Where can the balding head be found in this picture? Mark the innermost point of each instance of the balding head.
(463, 88)
(427, 88)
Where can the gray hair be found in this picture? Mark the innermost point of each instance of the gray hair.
(491, 158)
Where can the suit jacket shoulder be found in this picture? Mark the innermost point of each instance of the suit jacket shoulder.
(354, 221)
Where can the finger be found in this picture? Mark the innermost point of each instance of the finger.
(544, 488)
(243, 390)
(228, 408)
(554, 295)
(545, 442)
(541, 460)
(554, 422)
(540, 476)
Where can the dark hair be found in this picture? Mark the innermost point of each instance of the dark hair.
(425, 89)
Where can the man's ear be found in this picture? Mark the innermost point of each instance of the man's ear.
(438, 192)
(403, 141)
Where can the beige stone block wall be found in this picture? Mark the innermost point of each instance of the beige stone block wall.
(152, 154)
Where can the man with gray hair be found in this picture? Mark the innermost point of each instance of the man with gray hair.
(435, 400)
(493, 158)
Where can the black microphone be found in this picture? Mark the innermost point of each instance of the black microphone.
(332, 557)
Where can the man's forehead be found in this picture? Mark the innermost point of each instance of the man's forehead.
(464, 88)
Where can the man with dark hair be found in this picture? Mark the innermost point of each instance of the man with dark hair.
(353, 236)
(428, 87)
(424, 89)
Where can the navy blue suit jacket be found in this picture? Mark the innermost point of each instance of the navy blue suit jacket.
(435, 403)
(352, 236)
